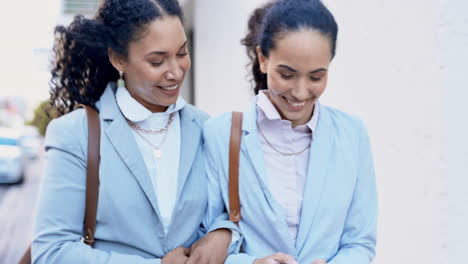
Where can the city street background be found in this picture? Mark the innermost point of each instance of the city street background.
(17, 204)
(400, 66)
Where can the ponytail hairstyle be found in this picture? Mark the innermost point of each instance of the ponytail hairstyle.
(272, 21)
(81, 68)
(250, 41)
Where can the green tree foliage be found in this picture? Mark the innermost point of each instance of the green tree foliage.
(43, 114)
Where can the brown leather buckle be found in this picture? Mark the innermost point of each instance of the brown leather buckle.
(234, 216)
(87, 240)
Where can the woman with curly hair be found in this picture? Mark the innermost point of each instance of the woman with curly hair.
(306, 179)
(128, 63)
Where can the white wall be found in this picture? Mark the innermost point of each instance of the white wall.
(387, 71)
(454, 44)
(220, 74)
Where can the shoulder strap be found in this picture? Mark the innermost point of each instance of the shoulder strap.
(92, 175)
(92, 181)
(234, 154)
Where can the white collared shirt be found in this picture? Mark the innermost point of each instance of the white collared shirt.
(286, 175)
(164, 171)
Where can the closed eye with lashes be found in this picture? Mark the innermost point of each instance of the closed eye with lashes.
(157, 63)
(286, 76)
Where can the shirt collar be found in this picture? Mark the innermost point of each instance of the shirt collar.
(269, 111)
(136, 112)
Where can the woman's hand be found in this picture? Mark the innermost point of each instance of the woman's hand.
(177, 256)
(319, 261)
(278, 258)
(212, 248)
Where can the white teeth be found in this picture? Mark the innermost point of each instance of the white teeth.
(169, 88)
(297, 104)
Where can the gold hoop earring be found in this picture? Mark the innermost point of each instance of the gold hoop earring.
(120, 81)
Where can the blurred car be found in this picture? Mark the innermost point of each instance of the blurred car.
(12, 162)
(31, 142)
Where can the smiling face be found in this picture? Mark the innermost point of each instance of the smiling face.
(297, 73)
(156, 64)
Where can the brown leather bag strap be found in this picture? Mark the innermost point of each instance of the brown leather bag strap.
(26, 258)
(92, 175)
(92, 181)
(234, 155)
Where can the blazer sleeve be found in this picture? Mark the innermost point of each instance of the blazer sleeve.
(216, 216)
(358, 241)
(60, 214)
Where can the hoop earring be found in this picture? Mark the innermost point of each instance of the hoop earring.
(120, 81)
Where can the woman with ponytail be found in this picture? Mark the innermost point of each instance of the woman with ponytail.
(128, 63)
(306, 179)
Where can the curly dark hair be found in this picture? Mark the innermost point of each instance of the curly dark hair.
(250, 41)
(280, 16)
(81, 68)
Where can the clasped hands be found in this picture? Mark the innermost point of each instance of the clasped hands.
(213, 249)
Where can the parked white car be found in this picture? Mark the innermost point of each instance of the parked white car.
(12, 162)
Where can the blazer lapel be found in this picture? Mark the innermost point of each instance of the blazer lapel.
(252, 147)
(250, 143)
(190, 132)
(121, 137)
(320, 157)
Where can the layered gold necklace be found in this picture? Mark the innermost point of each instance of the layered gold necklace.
(156, 148)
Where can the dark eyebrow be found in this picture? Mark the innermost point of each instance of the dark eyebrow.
(318, 70)
(287, 67)
(293, 70)
(183, 45)
(164, 52)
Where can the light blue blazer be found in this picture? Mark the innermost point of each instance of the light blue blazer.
(339, 211)
(129, 229)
